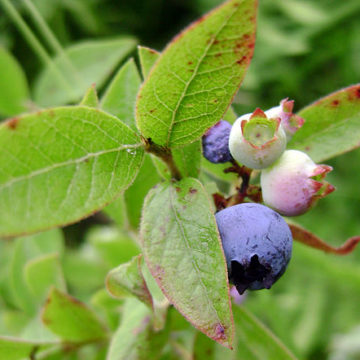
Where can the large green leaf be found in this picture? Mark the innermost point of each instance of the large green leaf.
(332, 125)
(13, 86)
(120, 96)
(82, 65)
(194, 81)
(182, 249)
(62, 164)
(255, 341)
(70, 319)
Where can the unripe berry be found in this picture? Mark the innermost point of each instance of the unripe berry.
(289, 121)
(257, 244)
(294, 183)
(215, 143)
(256, 141)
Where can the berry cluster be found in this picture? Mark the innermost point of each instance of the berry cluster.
(256, 240)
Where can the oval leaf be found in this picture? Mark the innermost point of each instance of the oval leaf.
(182, 249)
(62, 164)
(194, 81)
(332, 125)
(70, 319)
(82, 64)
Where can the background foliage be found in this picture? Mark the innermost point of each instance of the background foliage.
(304, 50)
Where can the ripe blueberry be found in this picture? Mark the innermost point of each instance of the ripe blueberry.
(215, 143)
(257, 243)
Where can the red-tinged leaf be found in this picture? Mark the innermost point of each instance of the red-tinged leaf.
(182, 249)
(196, 77)
(332, 125)
(308, 238)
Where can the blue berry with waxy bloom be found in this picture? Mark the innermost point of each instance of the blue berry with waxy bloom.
(257, 243)
(215, 143)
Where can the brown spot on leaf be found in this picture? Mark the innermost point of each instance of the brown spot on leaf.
(240, 61)
(335, 102)
(152, 110)
(13, 123)
(218, 54)
(192, 191)
(178, 189)
(307, 148)
(216, 41)
(190, 63)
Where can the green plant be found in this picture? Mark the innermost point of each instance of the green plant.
(61, 164)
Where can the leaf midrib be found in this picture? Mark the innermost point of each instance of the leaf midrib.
(183, 235)
(66, 163)
(173, 122)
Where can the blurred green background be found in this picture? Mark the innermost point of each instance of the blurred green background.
(305, 49)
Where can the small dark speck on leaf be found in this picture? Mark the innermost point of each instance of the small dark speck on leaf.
(335, 102)
(218, 54)
(240, 61)
(13, 123)
(178, 189)
(190, 62)
(307, 148)
(152, 110)
(216, 42)
(192, 191)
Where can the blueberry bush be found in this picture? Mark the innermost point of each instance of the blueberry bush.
(143, 195)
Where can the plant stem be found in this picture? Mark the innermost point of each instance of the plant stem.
(31, 39)
(165, 155)
(51, 39)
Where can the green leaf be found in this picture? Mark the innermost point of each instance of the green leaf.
(331, 125)
(147, 58)
(60, 165)
(196, 77)
(135, 194)
(129, 277)
(188, 159)
(26, 249)
(120, 97)
(14, 91)
(43, 272)
(91, 62)
(134, 339)
(161, 168)
(256, 342)
(70, 319)
(90, 98)
(182, 249)
(17, 349)
(113, 245)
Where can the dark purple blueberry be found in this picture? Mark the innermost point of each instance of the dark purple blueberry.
(257, 243)
(215, 143)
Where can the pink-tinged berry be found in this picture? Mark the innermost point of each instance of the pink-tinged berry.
(256, 140)
(289, 121)
(294, 183)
